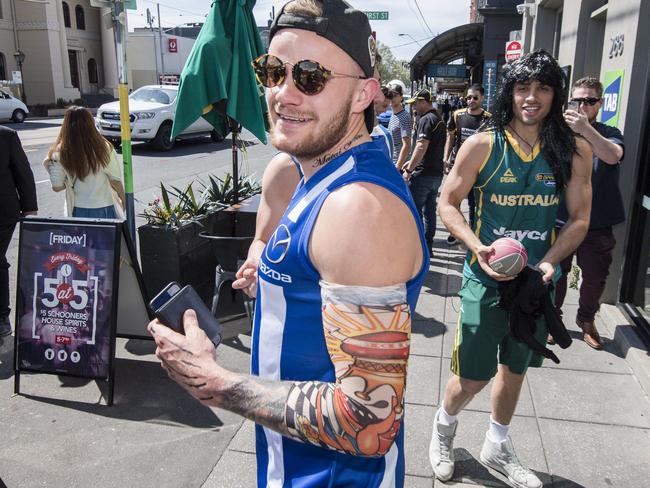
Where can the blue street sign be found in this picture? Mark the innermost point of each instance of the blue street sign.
(489, 82)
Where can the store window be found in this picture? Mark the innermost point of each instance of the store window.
(80, 17)
(66, 15)
(3, 67)
(92, 71)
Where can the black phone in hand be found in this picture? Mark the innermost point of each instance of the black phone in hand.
(172, 302)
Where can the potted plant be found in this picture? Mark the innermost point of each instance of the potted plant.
(171, 244)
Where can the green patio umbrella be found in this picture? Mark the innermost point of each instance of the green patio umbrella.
(218, 81)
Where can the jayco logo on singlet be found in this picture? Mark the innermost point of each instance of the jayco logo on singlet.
(278, 245)
(520, 235)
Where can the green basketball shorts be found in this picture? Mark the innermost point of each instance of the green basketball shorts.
(483, 337)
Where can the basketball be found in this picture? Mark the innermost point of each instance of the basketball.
(509, 256)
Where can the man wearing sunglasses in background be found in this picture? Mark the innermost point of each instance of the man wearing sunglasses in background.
(335, 293)
(463, 123)
(595, 253)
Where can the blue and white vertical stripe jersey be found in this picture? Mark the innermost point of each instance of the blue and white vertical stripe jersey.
(400, 126)
(288, 337)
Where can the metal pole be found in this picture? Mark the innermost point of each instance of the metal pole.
(23, 96)
(162, 59)
(150, 22)
(120, 31)
(234, 125)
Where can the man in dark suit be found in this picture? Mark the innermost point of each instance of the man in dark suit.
(17, 199)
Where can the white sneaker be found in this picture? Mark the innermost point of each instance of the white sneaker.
(501, 457)
(441, 449)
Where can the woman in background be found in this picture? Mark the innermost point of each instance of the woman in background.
(85, 164)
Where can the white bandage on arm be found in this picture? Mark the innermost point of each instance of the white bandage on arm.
(363, 295)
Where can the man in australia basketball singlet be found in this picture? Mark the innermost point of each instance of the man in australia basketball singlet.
(518, 169)
(335, 294)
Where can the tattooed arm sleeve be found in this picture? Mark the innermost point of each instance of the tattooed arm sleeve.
(367, 331)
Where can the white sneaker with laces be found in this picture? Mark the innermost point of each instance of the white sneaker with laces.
(501, 457)
(441, 449)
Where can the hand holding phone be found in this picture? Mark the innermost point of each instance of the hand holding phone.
(172, 302)
(574, 105)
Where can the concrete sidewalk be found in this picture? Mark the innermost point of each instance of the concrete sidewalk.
(582, 423)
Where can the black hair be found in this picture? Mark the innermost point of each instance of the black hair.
(477, 87)
(557, 139)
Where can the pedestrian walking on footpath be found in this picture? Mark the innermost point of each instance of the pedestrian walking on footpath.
(84, 164)
(520, 169)
(17, 199)
(595, 252)
(462, 124)
(400, 124)
(424, 169)
(335, 291)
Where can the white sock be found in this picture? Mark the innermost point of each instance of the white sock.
(444, 418)
(497, 432)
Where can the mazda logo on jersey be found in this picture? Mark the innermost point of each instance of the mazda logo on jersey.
(278, 245)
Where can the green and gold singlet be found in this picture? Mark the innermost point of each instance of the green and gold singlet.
(515, 197)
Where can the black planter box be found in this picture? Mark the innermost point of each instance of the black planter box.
(178, 254)
(181, 254)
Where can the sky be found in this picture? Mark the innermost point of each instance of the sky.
(404, 18)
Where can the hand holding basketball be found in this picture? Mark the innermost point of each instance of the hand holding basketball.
(482, 254)
(508, 256)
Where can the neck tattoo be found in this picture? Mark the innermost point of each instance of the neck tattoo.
(326, 158)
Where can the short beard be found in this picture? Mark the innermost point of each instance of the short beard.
(314, 145)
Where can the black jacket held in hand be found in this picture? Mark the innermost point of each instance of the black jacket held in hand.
(527, 298)
(17, 187)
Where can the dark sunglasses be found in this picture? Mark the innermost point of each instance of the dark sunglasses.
(587, 101)
(471, 97)
(308, 76)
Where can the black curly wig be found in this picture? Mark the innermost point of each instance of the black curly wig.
(557, 139)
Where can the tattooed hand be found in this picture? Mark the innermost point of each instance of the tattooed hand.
(190, 359)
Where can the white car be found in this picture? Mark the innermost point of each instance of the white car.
(152, 110)
(12, 108)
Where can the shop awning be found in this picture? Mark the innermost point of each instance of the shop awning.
(464, 41)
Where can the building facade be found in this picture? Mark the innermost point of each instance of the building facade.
(151, 54)
(609, 40)
(68, 52)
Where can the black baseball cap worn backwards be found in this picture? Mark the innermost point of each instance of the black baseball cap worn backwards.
(341, 24)
(346, 27)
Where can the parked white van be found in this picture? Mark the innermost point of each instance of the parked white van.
(11, 108)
